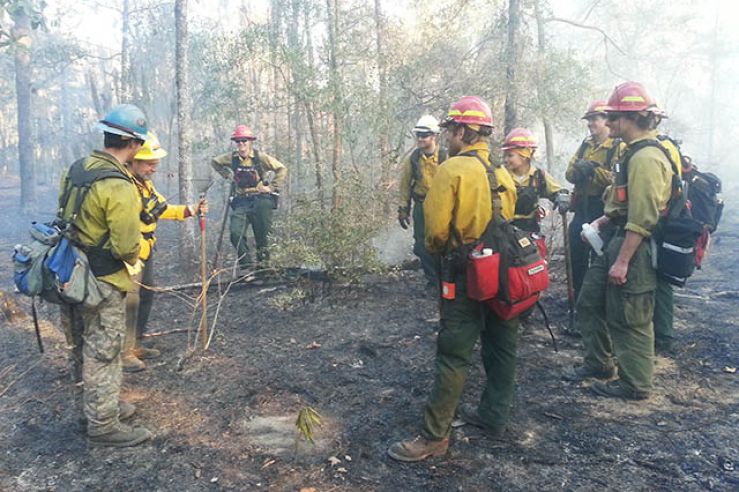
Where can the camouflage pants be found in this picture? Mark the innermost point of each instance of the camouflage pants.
(96, 340)
(617, 320)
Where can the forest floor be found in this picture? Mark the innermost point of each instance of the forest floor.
(362, 356)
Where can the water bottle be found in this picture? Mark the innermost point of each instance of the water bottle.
(593, 238)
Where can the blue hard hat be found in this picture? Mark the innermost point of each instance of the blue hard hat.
(126, 120)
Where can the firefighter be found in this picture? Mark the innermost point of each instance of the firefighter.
(153, 207)
(418, 169)
(591, 171)
(531, 183)
(617, 294)
(107, 228)
(457, 210)
(253, 196)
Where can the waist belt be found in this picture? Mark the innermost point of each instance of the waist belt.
(148, 235)
(418, 198)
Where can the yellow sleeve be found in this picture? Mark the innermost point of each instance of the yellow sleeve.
(508, 195)
(270, 163)
(551, 185)
(649, 189)
(569, 173)
(123, 224)
(404, 193)
(222, 164)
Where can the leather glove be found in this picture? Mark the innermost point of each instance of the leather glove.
(198, 208)
(263, 188)
(583, 170)
(134, 270)
(404, 217)
(562, 202)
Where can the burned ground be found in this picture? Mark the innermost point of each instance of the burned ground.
(363, 356)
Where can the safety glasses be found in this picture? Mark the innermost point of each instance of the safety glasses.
(614, 116)
(241, 140)
(424, 135)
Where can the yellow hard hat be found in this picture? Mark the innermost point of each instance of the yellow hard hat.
(151, 149)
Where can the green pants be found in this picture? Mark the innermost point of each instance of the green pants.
(256, 212)
(663, 315)
(463, 321)
(617, 320)
(429, 262)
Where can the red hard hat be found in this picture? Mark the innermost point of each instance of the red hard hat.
(243, 132)
(519, 138)
(630, 97)
(469, 110)
(597, 107)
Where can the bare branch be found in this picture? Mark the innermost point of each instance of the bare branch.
(592, 28)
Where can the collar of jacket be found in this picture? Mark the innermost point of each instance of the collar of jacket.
(249, 157)
(104, 156)
(481, 148)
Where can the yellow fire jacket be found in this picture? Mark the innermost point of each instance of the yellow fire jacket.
(110, 207)
(150, 199)
(603, 174)
(458, 205)
(428, 165)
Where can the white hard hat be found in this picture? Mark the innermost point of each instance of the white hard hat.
(427, 123)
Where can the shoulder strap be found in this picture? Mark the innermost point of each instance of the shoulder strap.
(83, 179)
(415, 166)
(583, 148)
(493, 182)
(679, 197)
(612, 151)
(540, 182)
(257, 163)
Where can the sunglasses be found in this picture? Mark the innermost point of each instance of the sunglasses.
(424, 134)
(614, 116)
(241, 140)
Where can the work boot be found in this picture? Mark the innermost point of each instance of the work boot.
(125, 411)
(121, 436)
(131, 363)
(417, 449)
(615, 389)
(142, 352)
(469, 415)
(576, 374)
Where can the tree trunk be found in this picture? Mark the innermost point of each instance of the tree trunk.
(124, 95)
(22, 35)
(548, 133)
(383, 137)
(337, 103)
(511, 105)
(187, 234)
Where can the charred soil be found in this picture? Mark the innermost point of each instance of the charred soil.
(363, 356)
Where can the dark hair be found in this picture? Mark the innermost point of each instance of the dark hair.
(114, 141)
(644, 122)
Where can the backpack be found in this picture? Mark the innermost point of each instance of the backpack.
(528, 195)
(675, 239)
(510, 277)
(53, 265)
(703, 190)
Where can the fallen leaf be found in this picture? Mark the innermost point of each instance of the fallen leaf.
(198, 473)
(308, 489)
(214, 480)
(268, 463)
(333, 460)
(342, 470)
(313, 345)
(730, 370)
(347, 457)
(292, 340)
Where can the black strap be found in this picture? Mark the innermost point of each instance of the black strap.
(583, 147)
(35, 325)
(612, 152)
(679, 196)
(495, 188)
